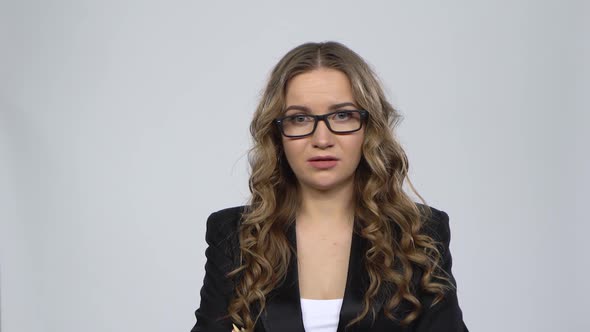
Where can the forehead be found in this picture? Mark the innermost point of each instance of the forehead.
(319, 88)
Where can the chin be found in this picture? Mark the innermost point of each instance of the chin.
(325, 185)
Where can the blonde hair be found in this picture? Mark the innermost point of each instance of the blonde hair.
(387, 217)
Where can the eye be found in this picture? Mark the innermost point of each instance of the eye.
(299, 118)
(344, 115)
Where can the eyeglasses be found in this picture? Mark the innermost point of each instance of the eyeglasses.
(339, 122)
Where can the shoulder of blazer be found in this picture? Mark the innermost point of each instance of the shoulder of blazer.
(222, 230)
(437, 225)
(438, 228)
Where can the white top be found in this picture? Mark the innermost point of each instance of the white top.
(320, 315)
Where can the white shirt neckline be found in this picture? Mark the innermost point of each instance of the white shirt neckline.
(321, 315)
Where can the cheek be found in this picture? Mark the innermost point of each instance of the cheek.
(356, 146)
(357, 155)
(292, 150)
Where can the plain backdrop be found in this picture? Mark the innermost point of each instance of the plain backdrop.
(124, 124)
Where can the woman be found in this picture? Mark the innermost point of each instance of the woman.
(329, 239)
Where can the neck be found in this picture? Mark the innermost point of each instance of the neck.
(327, 208)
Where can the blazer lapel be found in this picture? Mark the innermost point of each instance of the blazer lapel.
(356, 284)
(283, 307)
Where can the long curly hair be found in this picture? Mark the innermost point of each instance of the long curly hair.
(385, 215)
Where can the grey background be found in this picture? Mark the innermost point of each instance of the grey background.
(124, 124)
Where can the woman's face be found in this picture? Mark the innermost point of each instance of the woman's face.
(319, 92)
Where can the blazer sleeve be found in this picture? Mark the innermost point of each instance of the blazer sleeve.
(217, 288)
(446, 315)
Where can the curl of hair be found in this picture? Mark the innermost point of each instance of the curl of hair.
(387, 216)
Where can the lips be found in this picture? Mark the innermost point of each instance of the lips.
(323, 158)
(323, 162)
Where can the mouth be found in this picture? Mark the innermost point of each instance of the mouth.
(323, 158)
(323, 162)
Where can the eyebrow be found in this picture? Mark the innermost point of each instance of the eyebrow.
(307, 110)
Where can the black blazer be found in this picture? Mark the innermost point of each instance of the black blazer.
(283, 307)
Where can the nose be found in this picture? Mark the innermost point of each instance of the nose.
(322, 137)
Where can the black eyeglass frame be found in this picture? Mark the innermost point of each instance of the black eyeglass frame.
(364, 115)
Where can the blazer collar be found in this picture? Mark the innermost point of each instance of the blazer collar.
(283, 305)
